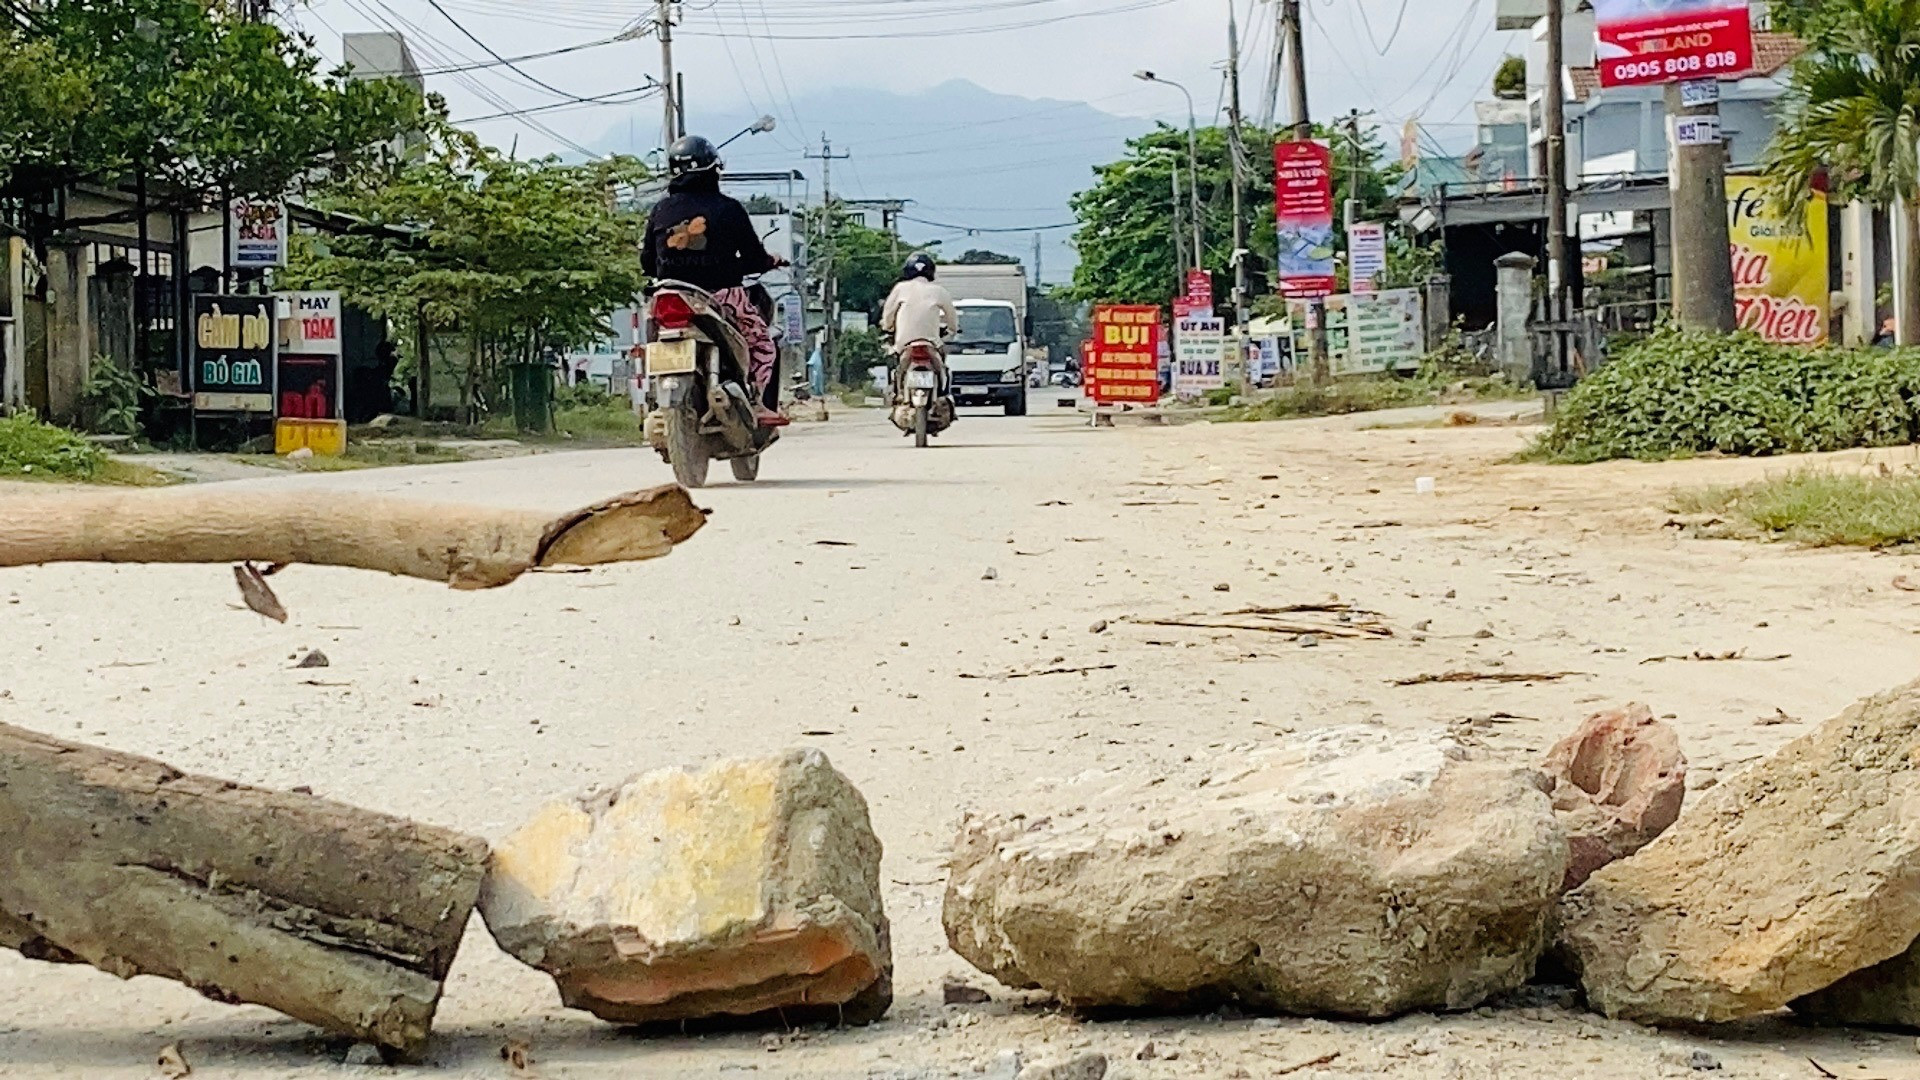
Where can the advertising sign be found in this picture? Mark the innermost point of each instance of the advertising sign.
(1366, 256)
(1121, 363)
(1303, 211)
(307, 369)
(1663, 41)
(259, 233)
(1199, 298)
(1199, 348)
(1779, 264)
(1696, 131)
(232, 360)
(1369, 333)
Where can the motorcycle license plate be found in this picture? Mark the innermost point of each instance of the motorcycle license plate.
(920, 379)
(672, 357)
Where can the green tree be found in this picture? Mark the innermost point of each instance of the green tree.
(1852, 115)
(1126, 236)
(187, 92)
(864, 261)
(1510, 81)
(977, 257)
(517, 256)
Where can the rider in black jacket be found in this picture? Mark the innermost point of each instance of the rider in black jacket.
(704, 238)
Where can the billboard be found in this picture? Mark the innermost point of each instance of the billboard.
(1199, 349)
(1779, 264)
(232, 358)
(1366, 256)
(1662, 41)
(258, 234)
(1369, 333)
(1303, 212)
(1121, 363)
(307, 369)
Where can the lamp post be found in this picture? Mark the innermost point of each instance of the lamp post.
(758, 127)
(1193, 162)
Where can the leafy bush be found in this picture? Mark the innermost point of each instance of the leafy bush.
(1688, 392)
(110, 400)
(31, 448)
(1339, 398)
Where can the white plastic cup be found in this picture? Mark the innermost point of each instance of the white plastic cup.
(1423, 485)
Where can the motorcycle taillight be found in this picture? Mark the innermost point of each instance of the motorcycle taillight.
(671, 311)
(920, 353)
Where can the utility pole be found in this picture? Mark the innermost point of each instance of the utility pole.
(1239, 206)
(1354, 169)
(1036, 260)
(1179, 237)
(1554, 119)
(1702, 273)
(830, 275)
(669, 92)
(1293, 38)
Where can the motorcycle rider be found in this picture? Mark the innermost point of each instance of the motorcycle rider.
(917, 308)
(704, 238)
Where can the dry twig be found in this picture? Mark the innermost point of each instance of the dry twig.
(1706, 657)
(1491, 676)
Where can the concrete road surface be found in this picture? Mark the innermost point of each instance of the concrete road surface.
(838, 602)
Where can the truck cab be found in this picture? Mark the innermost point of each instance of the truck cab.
(986, 357)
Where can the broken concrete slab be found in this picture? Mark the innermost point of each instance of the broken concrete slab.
(737, 889)
(1618, 782)
(1347, 872)
(1776, 883)
(340, 917)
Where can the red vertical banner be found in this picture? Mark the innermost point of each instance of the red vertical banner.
(1303, 213)
(1199, 298)
(1122, 361)
(1662, 41)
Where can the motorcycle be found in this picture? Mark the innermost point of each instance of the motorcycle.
(923, 402)
(700, 390)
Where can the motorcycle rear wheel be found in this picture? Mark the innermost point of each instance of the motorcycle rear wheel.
(920, 427)
(686, 450)
(746, 469)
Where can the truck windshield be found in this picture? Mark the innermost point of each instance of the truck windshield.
(987, 326)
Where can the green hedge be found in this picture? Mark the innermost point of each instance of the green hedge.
(1680, 393)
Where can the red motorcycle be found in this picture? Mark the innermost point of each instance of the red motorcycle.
(700, 390)
(922, 396)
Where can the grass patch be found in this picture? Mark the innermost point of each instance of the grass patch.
(612, 419)
(1372, 394)
(1819, 509)
(31, 450)
(1688, 392)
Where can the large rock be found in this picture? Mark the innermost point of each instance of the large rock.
(1347, 872)
(1617, 783)
(1884, 995)
(1778, 882)
(743, 887)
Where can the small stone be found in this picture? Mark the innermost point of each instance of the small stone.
(990, 575)
(1617, 784)
(1308, 641)
(362, 1054)
(1423, 625)
(1701, 1061)
(1078, 1067)
(1006, 1065)
(1483, 633)
(1099, 627)
(314, 658)
(1223, 587)
(958, 992)
(1451, 594)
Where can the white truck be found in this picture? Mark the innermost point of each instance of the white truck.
(987, 358)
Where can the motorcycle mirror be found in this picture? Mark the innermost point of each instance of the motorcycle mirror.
(763, 125)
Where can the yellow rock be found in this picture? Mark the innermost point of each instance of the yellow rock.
(742, 887)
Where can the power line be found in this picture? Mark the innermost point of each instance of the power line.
(508, 64)
(971, 230)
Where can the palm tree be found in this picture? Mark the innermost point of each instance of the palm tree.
(1852, 113)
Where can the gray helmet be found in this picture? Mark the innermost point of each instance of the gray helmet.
(692, 154)
(920, 266)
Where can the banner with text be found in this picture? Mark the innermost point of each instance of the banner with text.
(1779, 264)
(1199, 349)
(1369, 333)
(1121, 363)
(1366, 256)
(232, 359)
(1663, 41)
(307, 375)
(1303, 213)
(258, 233)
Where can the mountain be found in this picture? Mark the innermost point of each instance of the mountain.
(965, 156)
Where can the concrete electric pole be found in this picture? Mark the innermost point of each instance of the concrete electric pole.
(1554, 121)
(669, 89)
(1702, 272)
(1293, 39)
(830, 273)
(1237, 371)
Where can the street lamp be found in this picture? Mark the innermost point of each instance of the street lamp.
(1193, 161)
(758, 127)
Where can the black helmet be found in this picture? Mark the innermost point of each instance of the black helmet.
(692, 154)
(920, 266)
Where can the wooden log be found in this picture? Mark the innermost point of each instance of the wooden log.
(341, 917)
(468, 547)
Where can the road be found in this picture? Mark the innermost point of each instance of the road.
(838, 602)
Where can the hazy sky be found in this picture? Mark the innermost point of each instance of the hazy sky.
(1395, 57)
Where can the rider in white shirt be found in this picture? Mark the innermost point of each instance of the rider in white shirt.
(917, 309)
